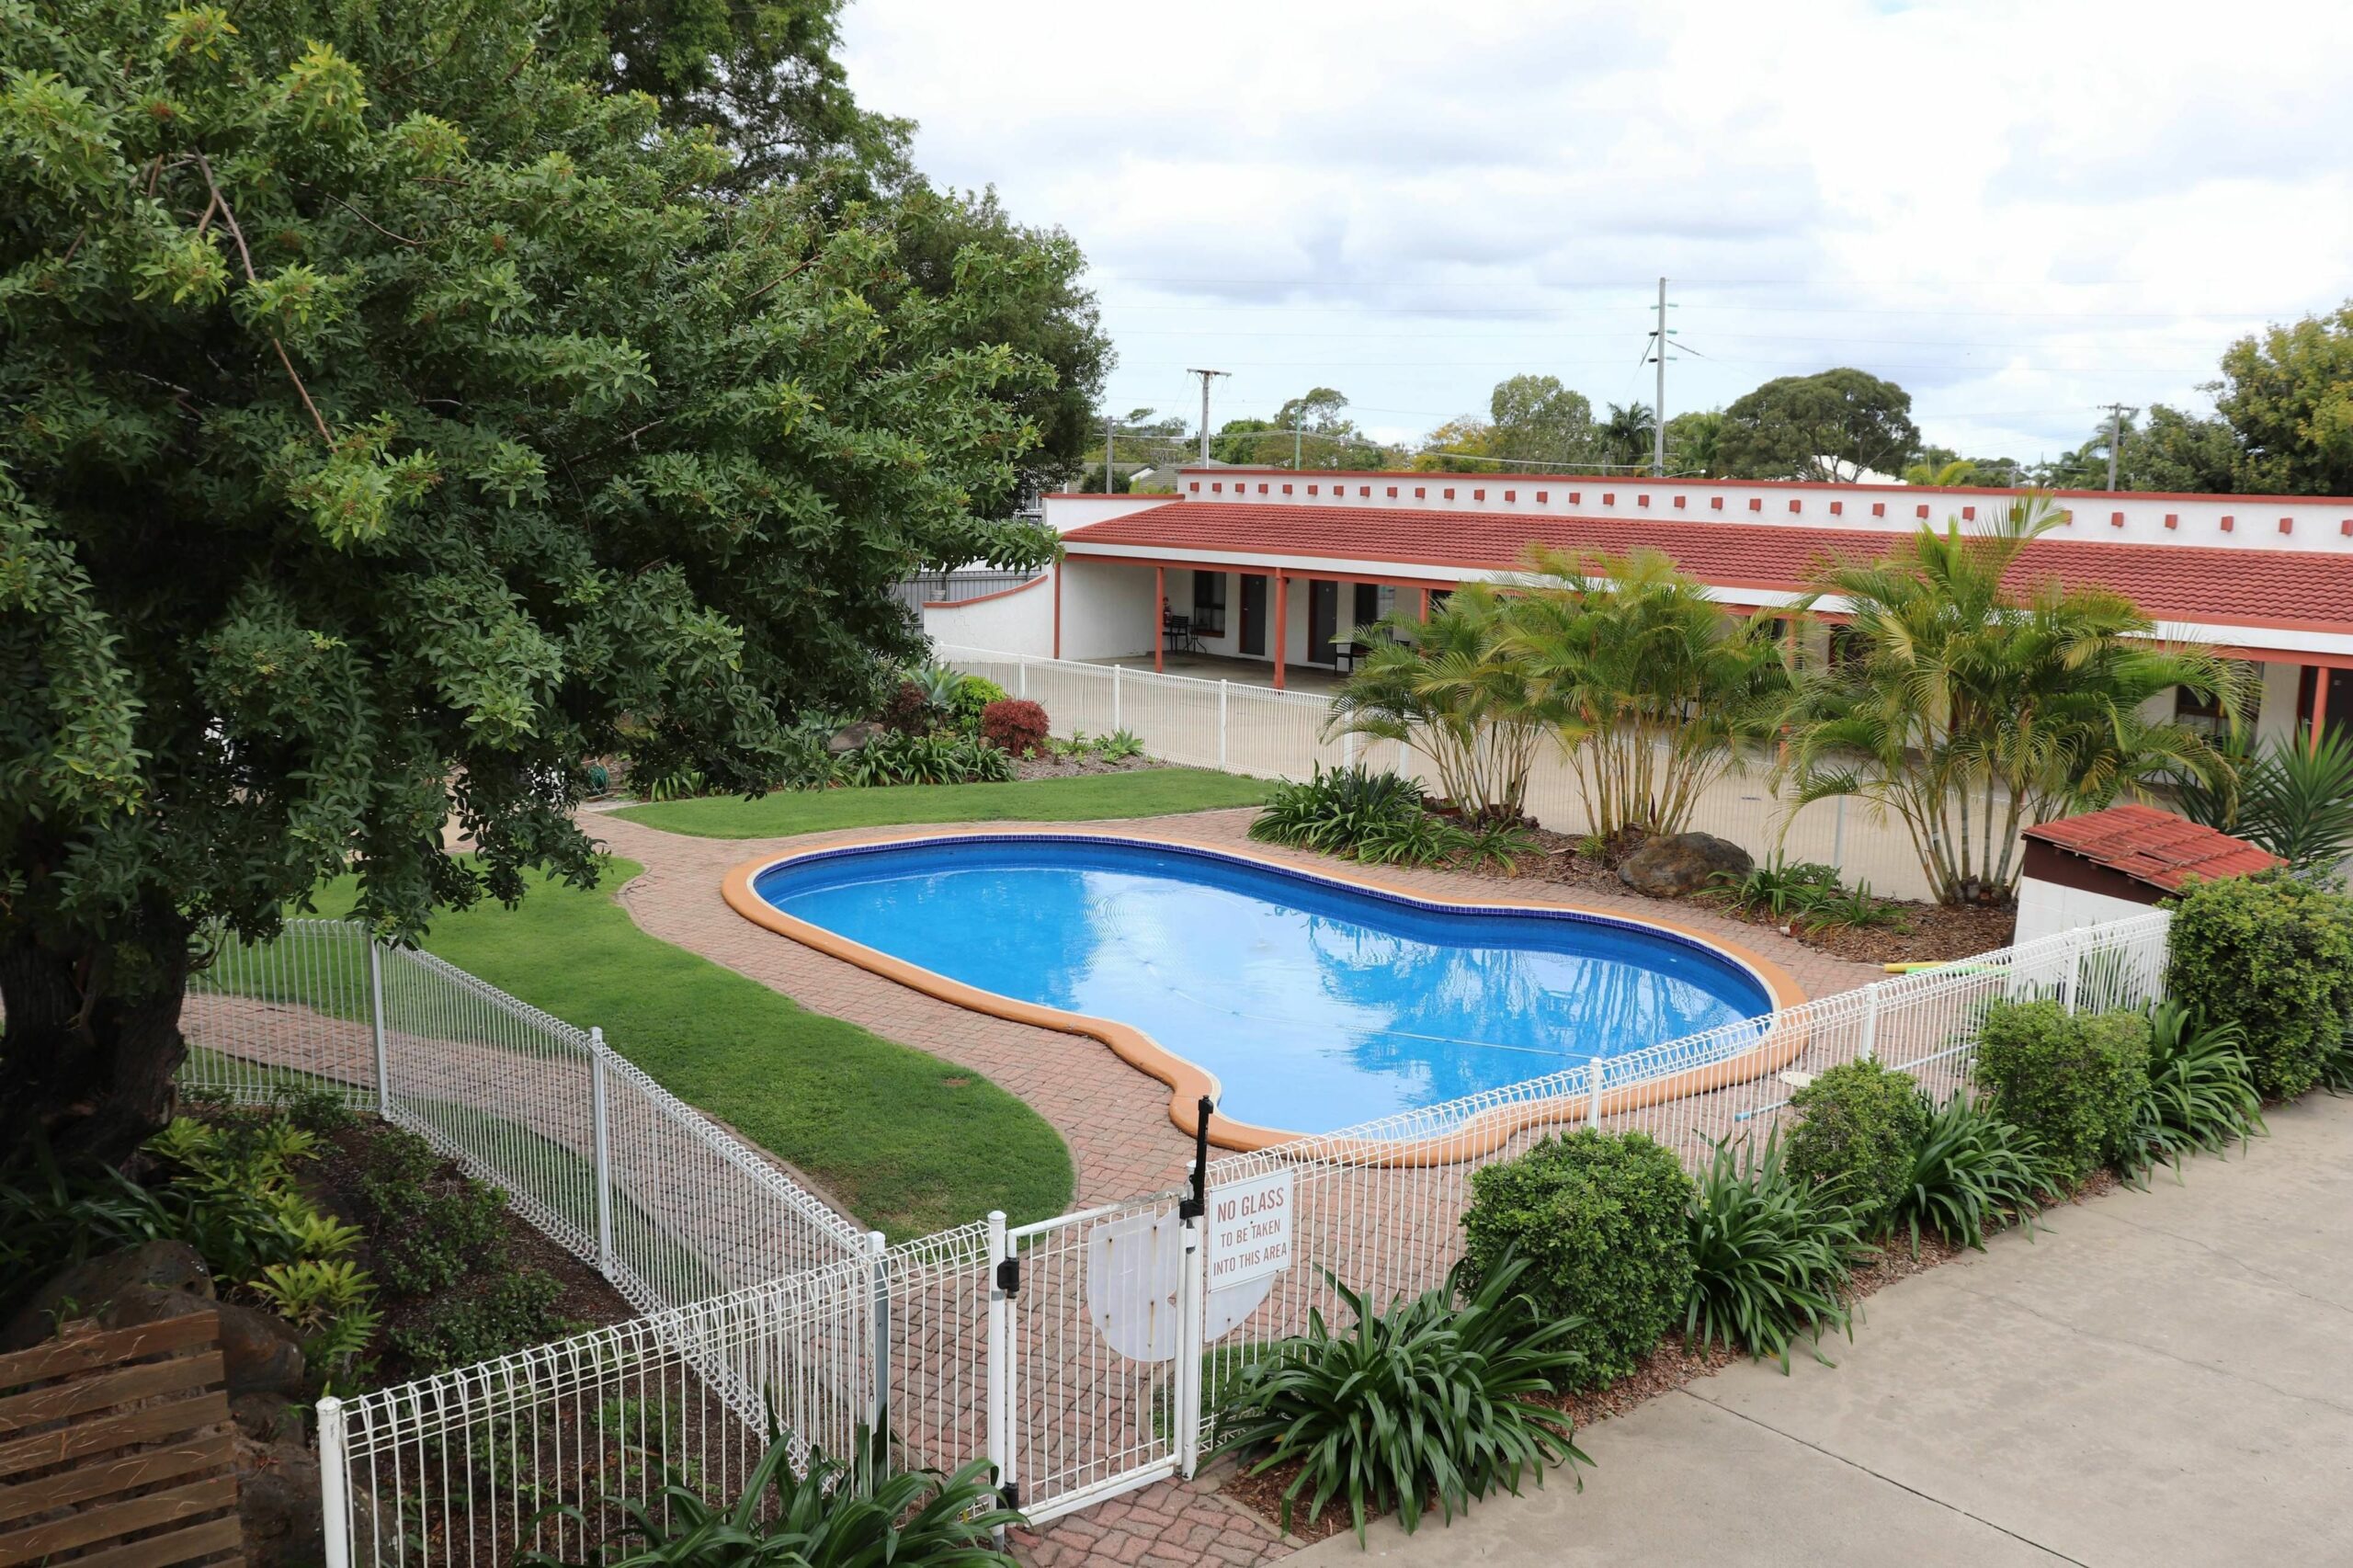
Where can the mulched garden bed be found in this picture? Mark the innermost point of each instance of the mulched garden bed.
(1027, 767)
(1930, 934)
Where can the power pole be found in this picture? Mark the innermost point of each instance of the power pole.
(1294, 442)
(1658, 403)
(1107, 452)
(1206, 377)
(2117, 415)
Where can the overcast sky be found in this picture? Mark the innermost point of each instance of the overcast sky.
(2016, 210)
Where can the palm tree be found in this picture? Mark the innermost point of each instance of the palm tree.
(1664, 688)
(1959, 470)
(1448, 687)
(1626, 435)
(1974, 709)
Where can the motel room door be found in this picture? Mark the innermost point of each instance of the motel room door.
(1254, 615)
(1323, 620)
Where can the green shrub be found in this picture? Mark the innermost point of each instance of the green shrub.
(820, 1516)
(2072, 1081)
(925, 759)
(973, 694)
(511, 1311)
(55, 1214)
(2274, 955)
(1776, 887)
(1428, 1398)
(2201, 1087)
(1770, 1254)
(1858, 1124)
(432, 1226)
(1337, 809)
(1970, 1173)
(1601, 1219)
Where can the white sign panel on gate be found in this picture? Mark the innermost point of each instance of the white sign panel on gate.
(1133, 1266)
(1249, 1230)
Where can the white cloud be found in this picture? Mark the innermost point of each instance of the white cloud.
(2017, 209)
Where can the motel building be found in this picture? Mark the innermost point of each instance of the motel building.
(1253, 574)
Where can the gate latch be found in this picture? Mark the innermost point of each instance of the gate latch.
(1008, 1276)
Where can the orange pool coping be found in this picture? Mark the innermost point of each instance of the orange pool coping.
(1483, 1134)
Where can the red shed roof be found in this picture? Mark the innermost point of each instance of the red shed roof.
(2153, 846)
(2223, 587)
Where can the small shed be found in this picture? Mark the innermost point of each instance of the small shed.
(2112, 864)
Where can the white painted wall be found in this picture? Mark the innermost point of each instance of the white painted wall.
(1018, 621)
(1106, 609)
(2278, 717)
(2046, 908)
(2255, 522)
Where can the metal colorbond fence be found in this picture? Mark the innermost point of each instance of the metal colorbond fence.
(1238, 727)
(984, 1342)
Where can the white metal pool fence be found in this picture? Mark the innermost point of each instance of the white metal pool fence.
(608, 1163)
(1023, 1345)
(1239, 727)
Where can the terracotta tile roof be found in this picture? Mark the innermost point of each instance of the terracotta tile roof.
(2153, 846)
(2226, 587)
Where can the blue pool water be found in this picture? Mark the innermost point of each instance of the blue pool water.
(1315, 1006)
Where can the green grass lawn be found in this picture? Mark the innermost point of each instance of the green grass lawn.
(1155, 791)
(912, 1143)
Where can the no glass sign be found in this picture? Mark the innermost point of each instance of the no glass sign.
(1250, 1229)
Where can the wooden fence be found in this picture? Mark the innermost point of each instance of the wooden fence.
(115, 1448)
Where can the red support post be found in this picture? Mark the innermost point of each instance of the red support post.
(1282, 624)
(1160, 622)
(2320, 704)
(1426, 607)
(1057, 610)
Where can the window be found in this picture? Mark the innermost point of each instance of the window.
(1209, 603)
(2203, 714)
(1845, 647)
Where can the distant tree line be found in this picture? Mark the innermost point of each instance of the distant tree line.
(2282, 424)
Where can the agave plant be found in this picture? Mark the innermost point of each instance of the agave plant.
(1428, 1398)
(1970, 1171)
(1337, 809)
(2202, 1086)
(1770, 1254)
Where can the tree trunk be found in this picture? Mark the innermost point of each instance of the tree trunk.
(91, 1040)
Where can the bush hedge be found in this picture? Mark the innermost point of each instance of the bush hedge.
(2274, 955)
(1857, 1125)
(1601, 1219)
(972, 699)
(2073, 1083)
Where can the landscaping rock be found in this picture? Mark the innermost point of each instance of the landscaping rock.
(260, 1352)
(86, 1289)
(278, 1501)
(855, 737)
(1683, 863)
(268, 1417)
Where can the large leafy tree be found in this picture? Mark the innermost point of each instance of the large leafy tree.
(1977, 700)
(762, 75)
(1538, 420)
(2287, 395)
(389, 426)
(1825, 427)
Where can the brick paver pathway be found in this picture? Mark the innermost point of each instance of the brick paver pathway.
(1113, 1117)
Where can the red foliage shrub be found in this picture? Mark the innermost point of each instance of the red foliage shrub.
(1014, 724)
(908, 711)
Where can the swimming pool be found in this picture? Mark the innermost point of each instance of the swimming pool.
(1315, 1005)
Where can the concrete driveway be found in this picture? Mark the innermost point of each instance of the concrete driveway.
(2166, 1377)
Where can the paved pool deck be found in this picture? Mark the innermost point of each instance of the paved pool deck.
(2161, 1379)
